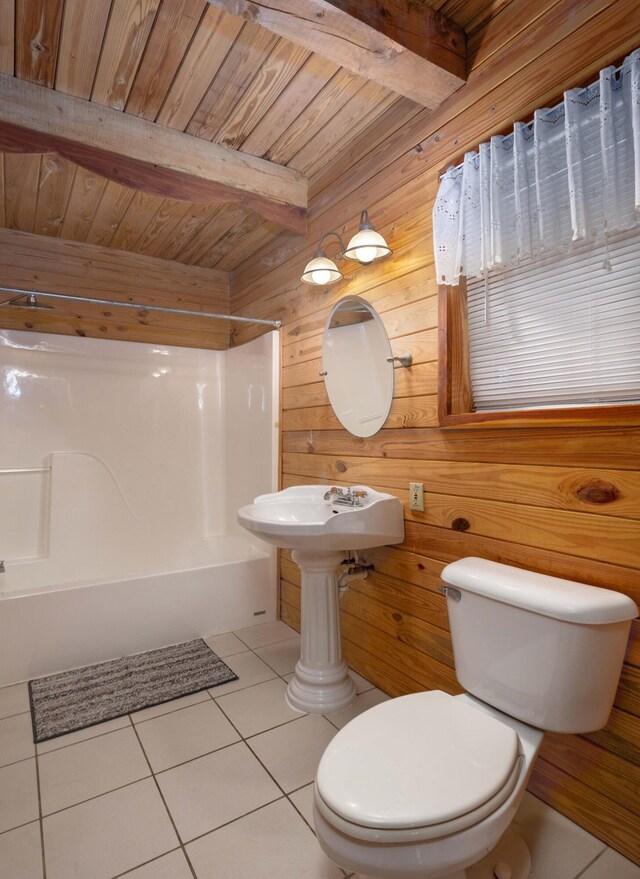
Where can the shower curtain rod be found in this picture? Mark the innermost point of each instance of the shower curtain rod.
(245, 320)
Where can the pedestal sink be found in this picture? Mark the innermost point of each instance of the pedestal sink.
(319, 524)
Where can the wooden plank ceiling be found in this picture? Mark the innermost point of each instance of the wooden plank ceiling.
(195, 68)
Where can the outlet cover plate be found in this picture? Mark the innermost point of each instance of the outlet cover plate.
(416, 496)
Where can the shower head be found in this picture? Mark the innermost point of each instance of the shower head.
(28, 301)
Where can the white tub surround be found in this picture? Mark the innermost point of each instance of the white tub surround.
(115, 526)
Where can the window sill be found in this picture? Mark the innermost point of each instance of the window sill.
(593, 416)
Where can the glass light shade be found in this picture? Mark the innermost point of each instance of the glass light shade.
(321, 270)
(367, 245)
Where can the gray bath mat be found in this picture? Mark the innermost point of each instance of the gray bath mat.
(73, 700)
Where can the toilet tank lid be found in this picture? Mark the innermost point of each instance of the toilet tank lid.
(548, 596)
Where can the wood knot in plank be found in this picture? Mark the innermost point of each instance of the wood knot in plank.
(341, 467)
(460, 524)
(598, 491)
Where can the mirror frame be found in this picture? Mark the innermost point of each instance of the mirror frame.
(357, 300)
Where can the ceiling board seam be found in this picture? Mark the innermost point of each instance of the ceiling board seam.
(135, 72)
(318, 97)
(214, 77)
(37, 198)
(180, 65)
(143, 54)
(101, 52)
(57, 58)
(66, 205)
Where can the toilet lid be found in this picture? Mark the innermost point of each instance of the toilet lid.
(416, 761)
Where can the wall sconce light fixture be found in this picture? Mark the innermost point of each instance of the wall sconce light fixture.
(321, 270)
(366, 246)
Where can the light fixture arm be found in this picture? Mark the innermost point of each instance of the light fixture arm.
(320, 251)
(365, 223)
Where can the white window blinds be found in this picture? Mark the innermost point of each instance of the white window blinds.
(560, 331)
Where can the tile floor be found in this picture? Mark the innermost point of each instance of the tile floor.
(217, 784)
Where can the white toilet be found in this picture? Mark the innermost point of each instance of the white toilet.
(427, 785)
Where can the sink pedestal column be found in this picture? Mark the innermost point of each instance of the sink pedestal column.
(321, 684)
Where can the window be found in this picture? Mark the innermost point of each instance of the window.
(537, 236)
(545, 337)
(558, 332)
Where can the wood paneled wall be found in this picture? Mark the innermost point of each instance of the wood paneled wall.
(517, 492)
(36, 262)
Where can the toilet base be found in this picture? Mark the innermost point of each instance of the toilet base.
(510, 859)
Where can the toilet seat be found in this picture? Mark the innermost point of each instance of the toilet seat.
(417, 767)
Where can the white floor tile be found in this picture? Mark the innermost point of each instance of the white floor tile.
(171, 866)
(108, 835)
(281, 657)
(292, 752)
(272, 843)
(559, 848)
(362, 703)
(183, 735)
(303, 801)
(90, 768)
(21, 853)
(362, 684)
(212, 790)
(226, 645)
(16, 739)
(18, 794)
(14, 699)
(250, 671)
(81, 735)
(611, 865)
(258, 708)
(167, 707)
(265, 633)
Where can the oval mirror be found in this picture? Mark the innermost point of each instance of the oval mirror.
(357, 372)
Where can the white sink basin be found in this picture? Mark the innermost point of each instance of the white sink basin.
(320, 531)
(300, 518)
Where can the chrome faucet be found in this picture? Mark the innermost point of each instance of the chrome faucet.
(350, 498)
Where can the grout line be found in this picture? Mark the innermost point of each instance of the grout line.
(19, 826)
(591, 863)
(250, 749)
(235, 820)
(299, 811)
(17, 713)
(40, 819)
(193, 759)
(171, 710)
(81, 741)
(144, 863)
(15, 762)
(164, 802)
(96, 796)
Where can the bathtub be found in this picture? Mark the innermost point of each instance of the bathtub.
(206, 587)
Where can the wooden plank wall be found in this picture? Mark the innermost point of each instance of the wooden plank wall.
(36, 262)
(521, 494)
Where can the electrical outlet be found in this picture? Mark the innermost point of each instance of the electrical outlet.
(416, 496)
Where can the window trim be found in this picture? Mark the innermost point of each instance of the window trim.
(455, 398)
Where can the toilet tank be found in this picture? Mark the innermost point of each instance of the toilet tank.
(543, 650)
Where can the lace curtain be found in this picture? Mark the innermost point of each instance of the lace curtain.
(571, 175)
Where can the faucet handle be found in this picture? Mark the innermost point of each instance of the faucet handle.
(358, 492)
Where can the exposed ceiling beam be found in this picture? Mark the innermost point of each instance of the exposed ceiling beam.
(401, 44)
(146, 156)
